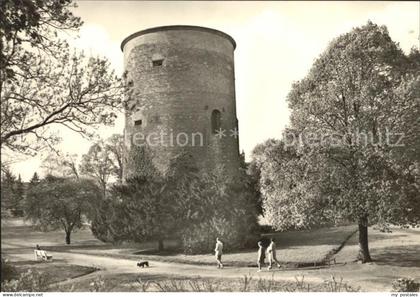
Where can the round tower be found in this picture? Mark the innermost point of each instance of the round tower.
(182, 98)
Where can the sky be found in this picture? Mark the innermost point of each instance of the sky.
(277, 43)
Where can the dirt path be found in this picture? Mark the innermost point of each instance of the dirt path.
(118, 266)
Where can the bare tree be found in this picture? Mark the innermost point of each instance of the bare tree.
(115, 145)
(44, 83)
(98, 165)
(61, 165)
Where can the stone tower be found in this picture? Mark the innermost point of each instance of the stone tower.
(182, 100)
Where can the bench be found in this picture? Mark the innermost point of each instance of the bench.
(40, 254)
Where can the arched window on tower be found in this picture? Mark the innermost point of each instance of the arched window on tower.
(216, 120)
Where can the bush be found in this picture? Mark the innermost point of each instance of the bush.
(200, 238)
(267, 229)
(405, 284)
(223, 207)
(8, 272)
(30, 281)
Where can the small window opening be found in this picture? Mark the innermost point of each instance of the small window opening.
(138, 122)
(216, 121)
(157, 63)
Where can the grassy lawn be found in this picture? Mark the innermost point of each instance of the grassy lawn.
(294, 249)
(56, 271)
(16, 233)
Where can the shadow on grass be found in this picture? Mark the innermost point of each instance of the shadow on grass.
(402, 256)
(33, 262)
(66, 248)
(382, 236)
(154, 252)
(322, 236)
(55, 271)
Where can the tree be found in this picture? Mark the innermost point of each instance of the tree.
(214, 204)
(34, 179)
(12, 192)
(61, 203)
(58, 164)
(148, 209)
(71, 91)
(26, 24)
(19, 197)
(143, 208)
(97, 164)
(8, 194)
(115, 146)
(44, 83)
(349, 113)
(290, 199)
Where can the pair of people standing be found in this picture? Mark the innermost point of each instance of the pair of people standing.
(271, 251)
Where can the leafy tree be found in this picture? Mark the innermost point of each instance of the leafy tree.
(142, 160)
(44, 83)
(215, 204)
(148, 209)
(59, 203)
(34, 179)
(290, 199)
(143, 208)
(360, 95)
(252, 173)
(12, 192)
(8, 193)
(19, 197)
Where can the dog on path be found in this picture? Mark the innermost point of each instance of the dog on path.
(143, 264)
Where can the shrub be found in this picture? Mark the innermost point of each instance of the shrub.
(30, 281)
(405, 284)
(335, 285)
(8, 272)
(172, 285)
(99, 284)
(218, 206)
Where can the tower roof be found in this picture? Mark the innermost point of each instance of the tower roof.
(177, 27)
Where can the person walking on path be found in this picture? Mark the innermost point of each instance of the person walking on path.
(272, 254)
(218, 253)
(261, 255)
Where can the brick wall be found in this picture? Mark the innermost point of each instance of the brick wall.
(176, 99)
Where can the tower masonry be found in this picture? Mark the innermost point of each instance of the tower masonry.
(182, 98)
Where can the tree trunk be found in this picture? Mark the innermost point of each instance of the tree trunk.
(104, 190)
(160, 245)
(68, 237)
(364, 254)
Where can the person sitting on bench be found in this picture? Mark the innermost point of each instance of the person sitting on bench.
(39, 253)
